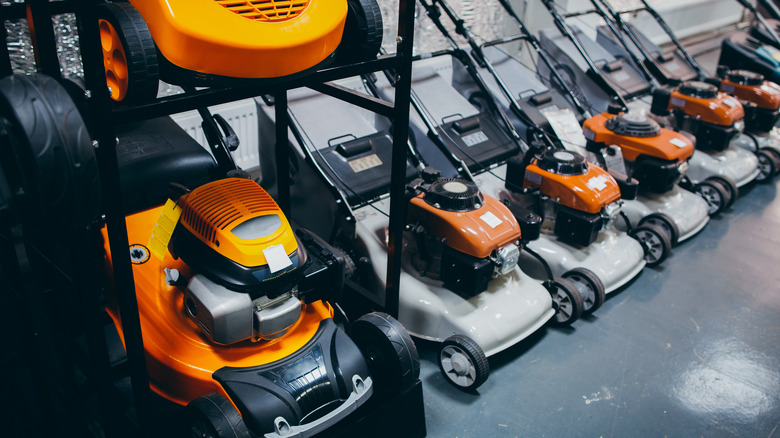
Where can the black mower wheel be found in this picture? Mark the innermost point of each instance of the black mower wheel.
(664, 221)
(213, 416)
(767, 166)
(129, 53)
(362, 37)
(567, 301)
(655, 241)
(463, 362)
(590, 286)
(714, 193)
(51, 160)
(730, 187)
(774, 153)
(391, 355)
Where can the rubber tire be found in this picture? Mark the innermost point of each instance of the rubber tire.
(590, 281)
(664, 221)
(767, 165)
(474, 354)
(730, 186)
(662, 242)
(389, 351)
(775, 153)
(214, 416)
(362, 37)
(716, 189)
(143, 67)
(55, 162)
(564, 289)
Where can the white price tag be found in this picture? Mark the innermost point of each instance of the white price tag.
(491, 219)
(680, 143)
(276, 257)
(598, 183)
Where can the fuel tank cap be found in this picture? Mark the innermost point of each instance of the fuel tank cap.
(633, 125)
(563, 162)
(453, 194)
(745, 77)
(701, 90)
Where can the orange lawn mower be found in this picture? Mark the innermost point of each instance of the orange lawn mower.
(713, 120)
(233, 304)
(202, 43)
(235, 320)
(760, 99)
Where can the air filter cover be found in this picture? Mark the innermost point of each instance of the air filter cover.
(633, 125)
(698, 89)
(563, 163)
(453, 194)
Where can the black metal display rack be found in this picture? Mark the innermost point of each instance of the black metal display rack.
(102, 116)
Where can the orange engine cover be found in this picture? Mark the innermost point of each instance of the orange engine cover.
(588, 192)
(766, 95)
(477, 232)
(721, 109)
(242, 39)
(237, 219)
(669, 145)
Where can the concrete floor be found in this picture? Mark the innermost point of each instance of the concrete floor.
(688, 349)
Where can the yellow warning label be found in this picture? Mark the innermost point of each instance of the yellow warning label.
(163, 230)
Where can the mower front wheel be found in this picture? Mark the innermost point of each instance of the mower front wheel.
(774, 153)
(129, 53)
(213, 416)
(567, 301)
(590, 286)
(767, 166)
(714, 193)
(463, 362)
(664, 221)
(730, 186)
(655, 241)
(391, 355)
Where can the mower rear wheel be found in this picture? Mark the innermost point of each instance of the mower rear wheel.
(567, 301)
(391, 355)
(655, 241)
(362, 37)
(129, 53)
(50, 158)
(664, 221)
(730, 186)
(714, 193)
(213, 416)
(463, 362)
(767, 166)
(590, 286)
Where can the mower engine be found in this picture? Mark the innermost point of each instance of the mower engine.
(760, 98)
(463, 238)
(714, 118)
(576, 200)
(655, 156)
(246, 261)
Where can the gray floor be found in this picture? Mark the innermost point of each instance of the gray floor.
(688, 349)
